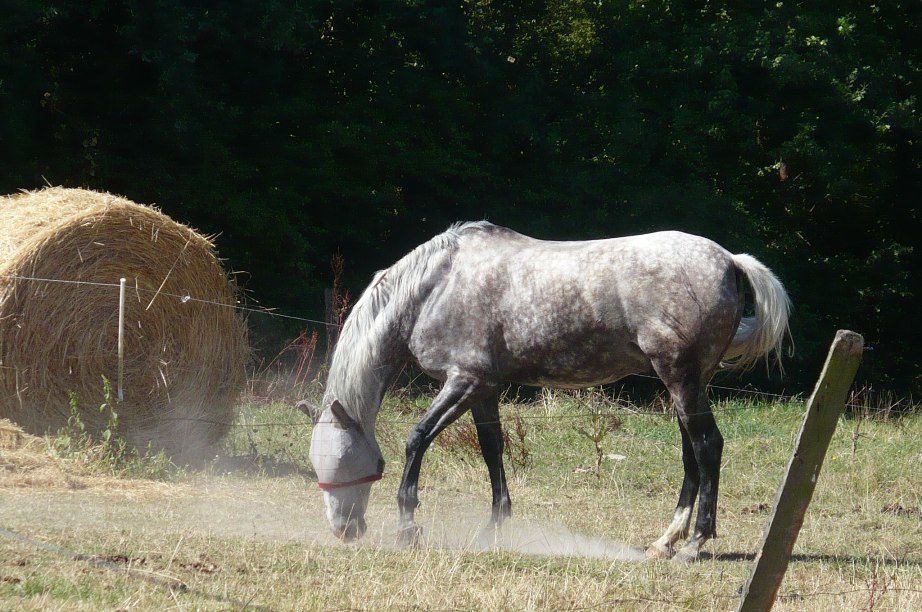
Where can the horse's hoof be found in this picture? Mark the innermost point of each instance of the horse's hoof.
(658, 551)
(686, 555)
(489, 535)
(408, 536)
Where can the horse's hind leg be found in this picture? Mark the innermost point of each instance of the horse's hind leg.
(490, 435)
(699, 431)
(708, 445)
(681, 520)
(451, 402)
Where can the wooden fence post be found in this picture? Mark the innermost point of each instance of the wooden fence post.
(330, 315)
(823, 410)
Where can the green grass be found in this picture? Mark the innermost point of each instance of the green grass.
(259, 536)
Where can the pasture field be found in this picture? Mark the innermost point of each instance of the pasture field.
(250, 531)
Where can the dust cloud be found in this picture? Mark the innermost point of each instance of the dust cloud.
(451, 523)
(531, 537)
(291, 510)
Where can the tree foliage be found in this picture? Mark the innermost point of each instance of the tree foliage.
(789, 130)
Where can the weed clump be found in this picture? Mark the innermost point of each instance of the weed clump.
(461, 439)
(515, 444)
(600, 424)
(108, 452)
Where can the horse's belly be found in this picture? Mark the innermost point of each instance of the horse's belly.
(576, 364)
(578, 380)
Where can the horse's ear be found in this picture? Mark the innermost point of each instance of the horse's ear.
(339, 413)
(310, 410)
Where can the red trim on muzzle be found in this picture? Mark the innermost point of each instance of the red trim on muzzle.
(326, 486)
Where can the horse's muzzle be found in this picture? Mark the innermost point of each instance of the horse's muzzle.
(351, 531)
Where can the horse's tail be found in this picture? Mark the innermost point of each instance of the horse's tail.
(763, 333)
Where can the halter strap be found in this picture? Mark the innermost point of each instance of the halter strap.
(326, 486)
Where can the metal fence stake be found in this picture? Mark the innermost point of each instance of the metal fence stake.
(121, 339)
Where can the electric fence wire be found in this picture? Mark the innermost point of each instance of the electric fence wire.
(185, 298)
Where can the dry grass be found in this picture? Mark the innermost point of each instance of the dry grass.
(31, 463)
(184, 359)
(261, 540)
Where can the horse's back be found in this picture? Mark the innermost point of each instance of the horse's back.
(569, 313)
(633, 270)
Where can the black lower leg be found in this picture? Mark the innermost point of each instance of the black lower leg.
(678, 527)
(702, 446)
(450, 404)
(692, 479)
(490, 435)
(407, 493)
(708, 446)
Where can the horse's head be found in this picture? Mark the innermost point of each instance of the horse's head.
(347, 461)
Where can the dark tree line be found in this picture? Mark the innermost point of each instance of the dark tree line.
(789, 130)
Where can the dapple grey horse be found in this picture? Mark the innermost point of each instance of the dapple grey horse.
(480, 306)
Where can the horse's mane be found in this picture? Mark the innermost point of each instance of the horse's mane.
(354, 372)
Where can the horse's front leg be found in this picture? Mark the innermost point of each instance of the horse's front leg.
(451, 402)
(490, 435)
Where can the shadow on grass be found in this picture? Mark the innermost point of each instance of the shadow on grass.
(814, 558)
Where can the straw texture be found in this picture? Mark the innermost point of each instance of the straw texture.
(184, 361)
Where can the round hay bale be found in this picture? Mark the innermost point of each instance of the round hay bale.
(184, 359)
